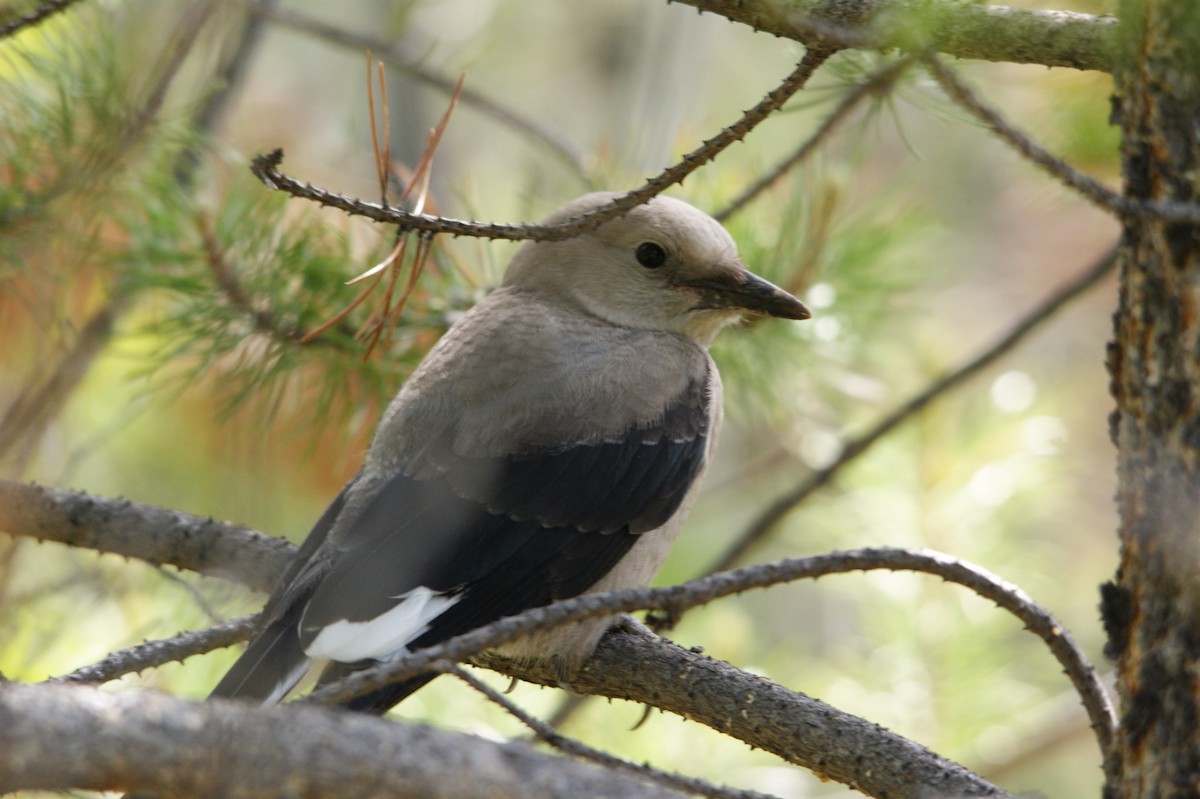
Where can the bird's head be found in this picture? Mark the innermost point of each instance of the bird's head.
(663, 266)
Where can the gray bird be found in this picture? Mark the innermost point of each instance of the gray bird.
(549, 445)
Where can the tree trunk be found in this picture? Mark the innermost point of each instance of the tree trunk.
(1152, 609)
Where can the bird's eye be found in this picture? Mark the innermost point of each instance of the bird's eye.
(651, 255)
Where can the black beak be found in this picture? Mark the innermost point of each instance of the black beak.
(743, 290)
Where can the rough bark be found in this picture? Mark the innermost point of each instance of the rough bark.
(960, 29)
(1152, 608)
(55, 737)
(155, 535)
(802, 730)
(799, 729)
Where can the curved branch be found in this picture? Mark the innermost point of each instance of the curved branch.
(85, 521)
(705, 589)
(266, 168)
(168, 650)
(963, 30)
(235, 750)
(155, 535)
(212, 547)
(1088, 187)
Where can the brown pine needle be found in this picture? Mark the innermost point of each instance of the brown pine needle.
(386, 316)
(342, 314)
(380, 168)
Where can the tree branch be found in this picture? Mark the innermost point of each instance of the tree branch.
(876, 84)
(963, 30)
(266, 168)
(570, 746)
(629, 673)
(168, 650)
(82, 520)
(155, 535)
(158, 745)
(801, 730)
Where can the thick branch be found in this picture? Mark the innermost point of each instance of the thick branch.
(152, 534)
(797, 728)
(163, 746)
(964, 30)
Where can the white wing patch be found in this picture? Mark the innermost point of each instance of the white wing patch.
(384, 636)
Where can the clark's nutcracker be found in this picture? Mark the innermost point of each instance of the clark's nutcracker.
(549, 445)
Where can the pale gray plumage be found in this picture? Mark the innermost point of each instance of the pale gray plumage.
(550, 444)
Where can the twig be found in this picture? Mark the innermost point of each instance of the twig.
(856, 446)
(879, 81)
(581, 750)
(231, 287)
(167, 650)
(705, 589)
(35, 17)
(265, 167)
(393, 56)
(1088, 187)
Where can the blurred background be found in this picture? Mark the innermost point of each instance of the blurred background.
(150, 290)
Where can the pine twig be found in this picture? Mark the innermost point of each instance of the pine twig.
(877, 83)
(168, 650)
(1088, 187)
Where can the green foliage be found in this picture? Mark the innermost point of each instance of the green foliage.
(235, 284)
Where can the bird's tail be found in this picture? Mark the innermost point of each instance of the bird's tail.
(270, 667)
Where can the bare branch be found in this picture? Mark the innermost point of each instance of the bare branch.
(856, 446)
(706, 589)
(1088, 187)
(877, 83)
(801, 730)
(265, 167)
(156, 653)
(88, 520)
(963, 30)
(213, 547)
(152, 534)
(570, 746)
(162, 746)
